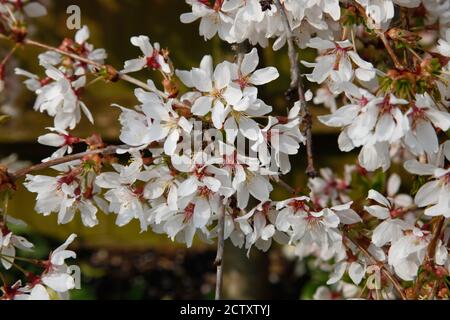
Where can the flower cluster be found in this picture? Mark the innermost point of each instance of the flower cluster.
(54, 278)
(58, 93)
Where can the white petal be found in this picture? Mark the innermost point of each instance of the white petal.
(201, 80)
(378, 197)
(264, 76)
(393, 184)
(222, 76)
(338, 273)
(202, 106)
(249, 128)
(415, 167)
(427, 194)
(426, 135)
(202, 213)
(356, 272)
(250, 62)
(35, 9)
(52, 139)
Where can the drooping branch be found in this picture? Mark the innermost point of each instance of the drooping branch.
(220, 251)
(44, 165)
(296, 88)
(111, 70)
(436, 234)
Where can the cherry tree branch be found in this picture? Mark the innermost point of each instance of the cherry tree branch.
(109, 68)
(220, 251)
(296, 86)
(382, 36)
(285, 186)
(44, 165)
(390, 51)
(437, 232)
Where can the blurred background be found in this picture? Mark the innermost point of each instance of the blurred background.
(121, 263)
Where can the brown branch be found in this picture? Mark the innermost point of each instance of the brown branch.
(44, 165)
(437, 232)
(121, 76)
(297, 87)
(109, 68)
(285, 186)
(220, 250)
(390, 51)
(384, 270)
(382, 36)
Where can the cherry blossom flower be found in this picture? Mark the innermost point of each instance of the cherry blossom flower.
(152, 59)
(60, 99)
(66, 194)
(32, 9)
(39, 292)
(338, 58)
(9, 242)
(407, 253)
(57, 276)
(218, 91)
(59, 138)
(328, 188)
(359, 266)
(311, 230)
(153, 120)
(422, 117)
(260, 230)
(435, 194)
(326, 97)
(283, 136)
(373, 123)
(213, 19)
(126, 192)
(388, 210)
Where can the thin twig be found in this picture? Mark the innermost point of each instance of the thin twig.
(382, 37)
(220, 250)
(390, 51)
(285, 186)
(9, 55)
(124, 77)
(437, 232)
(296, 86)
(44, 165)
(63, 52)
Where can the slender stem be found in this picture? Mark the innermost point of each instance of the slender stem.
(2, 277)
(390, 51)
(439, 226)
(285, 186)
(382, 37)
(44, 165)
(121, 76)
(9, 55)
(384, 270)
(29, 260)
(220, 250)
(15, 265)
(296, 86)
(63, 52)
